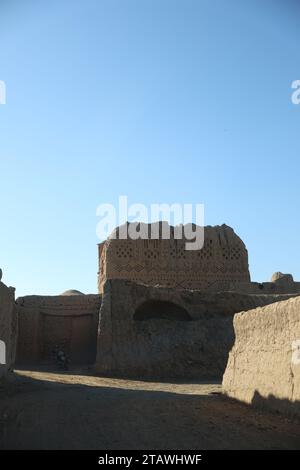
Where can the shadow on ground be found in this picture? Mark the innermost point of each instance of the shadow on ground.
(43, 410)
(284, 406)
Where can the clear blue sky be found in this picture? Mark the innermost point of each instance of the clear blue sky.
(161, 100)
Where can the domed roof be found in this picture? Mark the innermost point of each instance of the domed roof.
(72, 292)
(278, 276)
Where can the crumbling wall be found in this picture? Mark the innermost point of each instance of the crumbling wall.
(166, 262)
(280, 284)
(49, 325)
(265, 288)
(8, 328)
(264, 364)
(159, 332)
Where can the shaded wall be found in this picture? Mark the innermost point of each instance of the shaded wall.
(264, 363)
(48, 324)
(157, 332)
(8, 327)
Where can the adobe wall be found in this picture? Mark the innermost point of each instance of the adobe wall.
(279, 284)
(67, 323)
(222, 260)
(8, 327)
(192, 344)
(265, 288)
(264, 364)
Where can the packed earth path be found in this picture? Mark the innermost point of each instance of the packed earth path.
(63, 410)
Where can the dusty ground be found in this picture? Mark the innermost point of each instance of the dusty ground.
(43, 410)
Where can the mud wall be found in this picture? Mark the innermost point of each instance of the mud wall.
(48, 324)
(264, 363)
(265, 288)
(158, 332)
(8, 329)
(166, 262)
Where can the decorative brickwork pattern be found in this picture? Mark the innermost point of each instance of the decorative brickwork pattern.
(222, 260)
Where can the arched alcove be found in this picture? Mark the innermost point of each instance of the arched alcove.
(161, 310)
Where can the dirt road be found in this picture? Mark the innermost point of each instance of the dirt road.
(43, 410)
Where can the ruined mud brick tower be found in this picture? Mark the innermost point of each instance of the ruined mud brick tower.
(222, 262)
